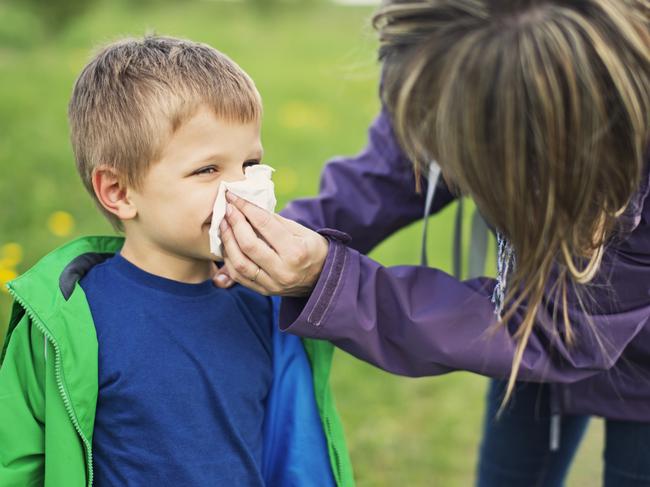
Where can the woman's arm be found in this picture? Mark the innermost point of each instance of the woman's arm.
(418, 321)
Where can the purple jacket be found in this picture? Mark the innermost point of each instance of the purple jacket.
(419, 321)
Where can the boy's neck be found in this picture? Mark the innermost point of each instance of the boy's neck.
(162, 263)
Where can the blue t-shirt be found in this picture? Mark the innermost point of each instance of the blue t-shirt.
(184, 372)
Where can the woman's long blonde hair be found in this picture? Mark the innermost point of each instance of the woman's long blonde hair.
(540, 111)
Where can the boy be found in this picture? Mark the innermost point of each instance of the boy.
(124, 365)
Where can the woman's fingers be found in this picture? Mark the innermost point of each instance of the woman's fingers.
(264, 222)
(253, 247)
(250, 285)
(291, 256)
(239, 263)
(240, 268)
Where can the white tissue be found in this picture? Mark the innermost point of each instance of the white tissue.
(257, 187)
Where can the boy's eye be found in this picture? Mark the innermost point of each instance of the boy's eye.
(206, 170)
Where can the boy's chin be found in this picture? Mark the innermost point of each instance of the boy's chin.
(201, 255)
(208, 256)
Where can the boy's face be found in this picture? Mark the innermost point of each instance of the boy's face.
(174, 203)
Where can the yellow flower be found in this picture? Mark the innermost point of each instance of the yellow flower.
(61, 223)
(11, 254)
(6, 275)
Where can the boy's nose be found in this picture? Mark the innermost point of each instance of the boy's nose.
(233, 175)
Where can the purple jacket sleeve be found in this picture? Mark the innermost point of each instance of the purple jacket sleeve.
(419, 321)
(369, 196)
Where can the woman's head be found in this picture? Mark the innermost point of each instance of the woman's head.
(537, 109)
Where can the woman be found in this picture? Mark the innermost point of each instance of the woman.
(538, 110)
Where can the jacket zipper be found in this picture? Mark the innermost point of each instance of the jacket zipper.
(59, 381)
(337, 459)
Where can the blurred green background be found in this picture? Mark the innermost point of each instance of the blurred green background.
(314, 64)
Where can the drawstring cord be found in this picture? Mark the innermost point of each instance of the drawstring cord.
(505, 265)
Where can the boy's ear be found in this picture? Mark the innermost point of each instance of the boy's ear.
(112, 193)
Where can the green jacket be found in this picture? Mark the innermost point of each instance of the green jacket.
(48, 377)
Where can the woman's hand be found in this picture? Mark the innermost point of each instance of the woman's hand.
(267, 253)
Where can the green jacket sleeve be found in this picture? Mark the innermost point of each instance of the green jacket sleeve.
(22, 407)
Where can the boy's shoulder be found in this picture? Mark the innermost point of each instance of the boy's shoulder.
(53, 278)
(63, 255)
(45, 291)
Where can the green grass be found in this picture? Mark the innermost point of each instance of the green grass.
(315, 68)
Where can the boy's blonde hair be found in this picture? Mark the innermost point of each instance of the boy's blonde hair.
(135, 93)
